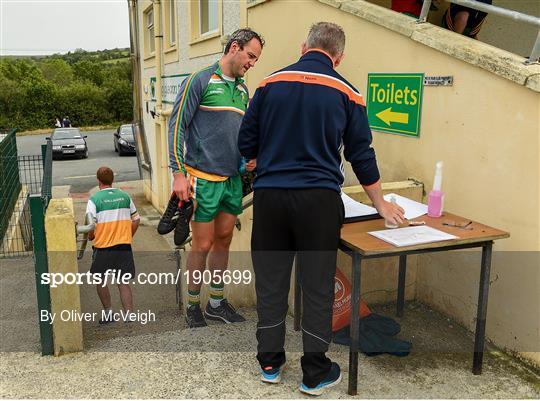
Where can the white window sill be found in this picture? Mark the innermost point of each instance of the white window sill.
(206, 37)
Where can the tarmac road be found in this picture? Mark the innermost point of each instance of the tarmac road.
(81, 173)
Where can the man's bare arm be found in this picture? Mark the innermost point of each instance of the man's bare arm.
(460, 22)
(134, 226)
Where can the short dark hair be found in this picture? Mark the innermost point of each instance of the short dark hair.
(105, 175)
(242, 37)
(326, 36)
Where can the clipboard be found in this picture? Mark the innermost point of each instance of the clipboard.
(355, 219)
(356, 211)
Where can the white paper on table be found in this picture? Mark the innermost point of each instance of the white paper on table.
(412, 208)
(415, 235)
(354, 208)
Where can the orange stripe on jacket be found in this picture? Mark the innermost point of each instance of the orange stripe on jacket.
(476, 29)
(449, 21)
(175, 149)
(316, 79)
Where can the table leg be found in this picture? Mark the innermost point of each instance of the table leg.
(401, 285)
(483, 291)
(297, 296)
(354, 324)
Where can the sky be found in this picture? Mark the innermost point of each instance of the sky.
(41, 27)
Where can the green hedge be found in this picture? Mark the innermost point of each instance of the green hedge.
(91, 92)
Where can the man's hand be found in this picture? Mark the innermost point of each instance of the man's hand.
(181, 186)
(91, 235)
(251, 165)
(391, 212)
(134, 226)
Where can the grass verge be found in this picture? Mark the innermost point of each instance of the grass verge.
(42, 131)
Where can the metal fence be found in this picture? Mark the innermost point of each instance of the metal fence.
(46, 182)
(10, 186)
(21, 177)
(25, 192)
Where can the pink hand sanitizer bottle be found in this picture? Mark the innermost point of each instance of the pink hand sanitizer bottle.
(436, 197)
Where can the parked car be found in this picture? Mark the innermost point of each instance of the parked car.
(124, 142)
(68, 142)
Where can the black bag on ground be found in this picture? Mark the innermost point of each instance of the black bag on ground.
(376, 336)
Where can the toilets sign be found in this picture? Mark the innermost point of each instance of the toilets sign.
(394, 103)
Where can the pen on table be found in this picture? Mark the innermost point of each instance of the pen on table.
(463, 225)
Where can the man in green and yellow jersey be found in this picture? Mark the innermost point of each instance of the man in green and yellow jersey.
(116, 220)
(204, 157)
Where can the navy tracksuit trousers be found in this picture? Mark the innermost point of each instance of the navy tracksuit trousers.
(305, 223)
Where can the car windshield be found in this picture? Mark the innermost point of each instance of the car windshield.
(67, 134)
(126, 131)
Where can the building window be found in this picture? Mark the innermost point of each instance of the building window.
(150, 30)
(172, 23)
(205, 21)
(208, 16)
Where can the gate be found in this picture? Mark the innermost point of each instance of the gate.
(25, 192)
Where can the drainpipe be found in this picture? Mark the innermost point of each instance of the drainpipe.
(163, 184)
(136, 78)
(158, 54)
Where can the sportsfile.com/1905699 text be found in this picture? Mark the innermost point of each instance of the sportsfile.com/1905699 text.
(113, 276)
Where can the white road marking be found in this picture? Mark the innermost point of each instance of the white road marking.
(79, 176)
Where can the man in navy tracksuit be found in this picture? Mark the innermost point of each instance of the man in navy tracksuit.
(296, 126)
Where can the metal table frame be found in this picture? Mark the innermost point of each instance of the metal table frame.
(357, 258)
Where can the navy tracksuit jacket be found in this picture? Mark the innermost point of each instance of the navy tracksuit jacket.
(297, 123)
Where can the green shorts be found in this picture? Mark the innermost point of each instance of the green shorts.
(213, 197)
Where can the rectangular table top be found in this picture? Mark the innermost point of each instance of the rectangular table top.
(355, 235)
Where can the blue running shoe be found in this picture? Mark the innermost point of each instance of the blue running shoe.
(333, 378)
(271, 375)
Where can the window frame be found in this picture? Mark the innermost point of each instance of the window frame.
(172, 23)
(209, 42)
(149, 30)
(215, 31)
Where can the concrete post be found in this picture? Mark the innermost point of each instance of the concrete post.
(62, 258)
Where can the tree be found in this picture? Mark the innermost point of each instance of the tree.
(19, 69)
(33, 91)
(11, 102)
(89, 70)
(57, 71)
(85, 103)
(119, 97)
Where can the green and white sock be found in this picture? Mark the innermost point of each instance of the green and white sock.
(194, 298)
(216, 294)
